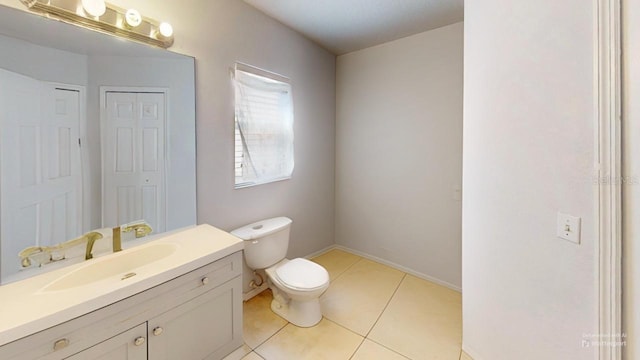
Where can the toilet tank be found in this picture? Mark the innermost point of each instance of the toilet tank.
(265, 242)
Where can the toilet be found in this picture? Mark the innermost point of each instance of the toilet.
(296, 284)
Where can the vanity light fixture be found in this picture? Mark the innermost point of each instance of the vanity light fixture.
(100, 16)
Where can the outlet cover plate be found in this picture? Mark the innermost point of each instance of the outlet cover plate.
(568, 227)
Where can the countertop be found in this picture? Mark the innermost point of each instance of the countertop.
(25, 309)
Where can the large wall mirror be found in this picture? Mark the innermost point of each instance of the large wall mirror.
(95, 132)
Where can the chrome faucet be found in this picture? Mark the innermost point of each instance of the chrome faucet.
(91, 237)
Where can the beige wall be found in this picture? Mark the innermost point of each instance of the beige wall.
(529, 115)
(399, 152)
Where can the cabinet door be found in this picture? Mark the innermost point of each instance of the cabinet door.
(207, 327)
(129, 345)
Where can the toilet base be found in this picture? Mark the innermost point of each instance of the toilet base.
(299, 313)
(302, 313)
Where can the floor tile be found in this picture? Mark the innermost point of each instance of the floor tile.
(356, 299)
(239, 353)
(370, 350)
(336, 262)
(252, 356)
(326, 340)
(429, 317)
(259, 322)
(465, 356)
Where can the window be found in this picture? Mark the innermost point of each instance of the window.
(263, 127)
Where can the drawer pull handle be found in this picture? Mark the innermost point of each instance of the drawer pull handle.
(60, 344)
(138, 341)
(157, 331)
(205, 280)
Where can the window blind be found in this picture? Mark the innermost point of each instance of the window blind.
(263, 127)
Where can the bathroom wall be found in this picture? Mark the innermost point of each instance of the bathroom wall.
(399, 152)
(631, 173)
(42, 63)
(529, 114)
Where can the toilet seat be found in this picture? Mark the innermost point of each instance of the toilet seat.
(302, 275)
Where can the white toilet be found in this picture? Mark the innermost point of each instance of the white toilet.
(296, 284)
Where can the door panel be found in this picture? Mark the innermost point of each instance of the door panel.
(133, 168)
(40, 175)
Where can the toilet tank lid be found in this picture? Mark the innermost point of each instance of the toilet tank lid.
(262, 228)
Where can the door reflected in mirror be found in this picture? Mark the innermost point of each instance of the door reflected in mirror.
(95, 132)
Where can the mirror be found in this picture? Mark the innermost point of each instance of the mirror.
(95, 132)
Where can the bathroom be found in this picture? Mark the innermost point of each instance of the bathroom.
(381, 203)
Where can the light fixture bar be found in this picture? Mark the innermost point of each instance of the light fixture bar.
(112, 22)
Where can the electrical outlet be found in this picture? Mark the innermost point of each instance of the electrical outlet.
(568, 228)
(456, 193)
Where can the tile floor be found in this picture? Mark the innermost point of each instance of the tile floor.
(371, 311)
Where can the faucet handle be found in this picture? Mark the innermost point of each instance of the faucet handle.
(30, 251)
(41, 255)
(24, 255)
(140, 228)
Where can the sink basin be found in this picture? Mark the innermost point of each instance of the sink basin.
(121, 264)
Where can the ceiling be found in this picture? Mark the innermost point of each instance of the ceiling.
(343, 26)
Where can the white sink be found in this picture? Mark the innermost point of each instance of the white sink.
(120, 266)
(51, 298)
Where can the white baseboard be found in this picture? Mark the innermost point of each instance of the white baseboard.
(400, 267)
(248, 295)
(322, 251)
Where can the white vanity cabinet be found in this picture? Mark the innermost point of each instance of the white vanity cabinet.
(195, 316)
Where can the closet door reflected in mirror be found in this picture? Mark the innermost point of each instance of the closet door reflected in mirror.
(133, 170)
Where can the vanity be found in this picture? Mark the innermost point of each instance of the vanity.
(176, 297)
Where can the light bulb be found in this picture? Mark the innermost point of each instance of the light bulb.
(133, 18)
(94, 7)
(165, 29)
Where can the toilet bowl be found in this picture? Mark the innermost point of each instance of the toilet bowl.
(296, 284)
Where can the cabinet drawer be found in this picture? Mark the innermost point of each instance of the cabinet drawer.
(131, 345)
(205, 279)
(85, 331)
